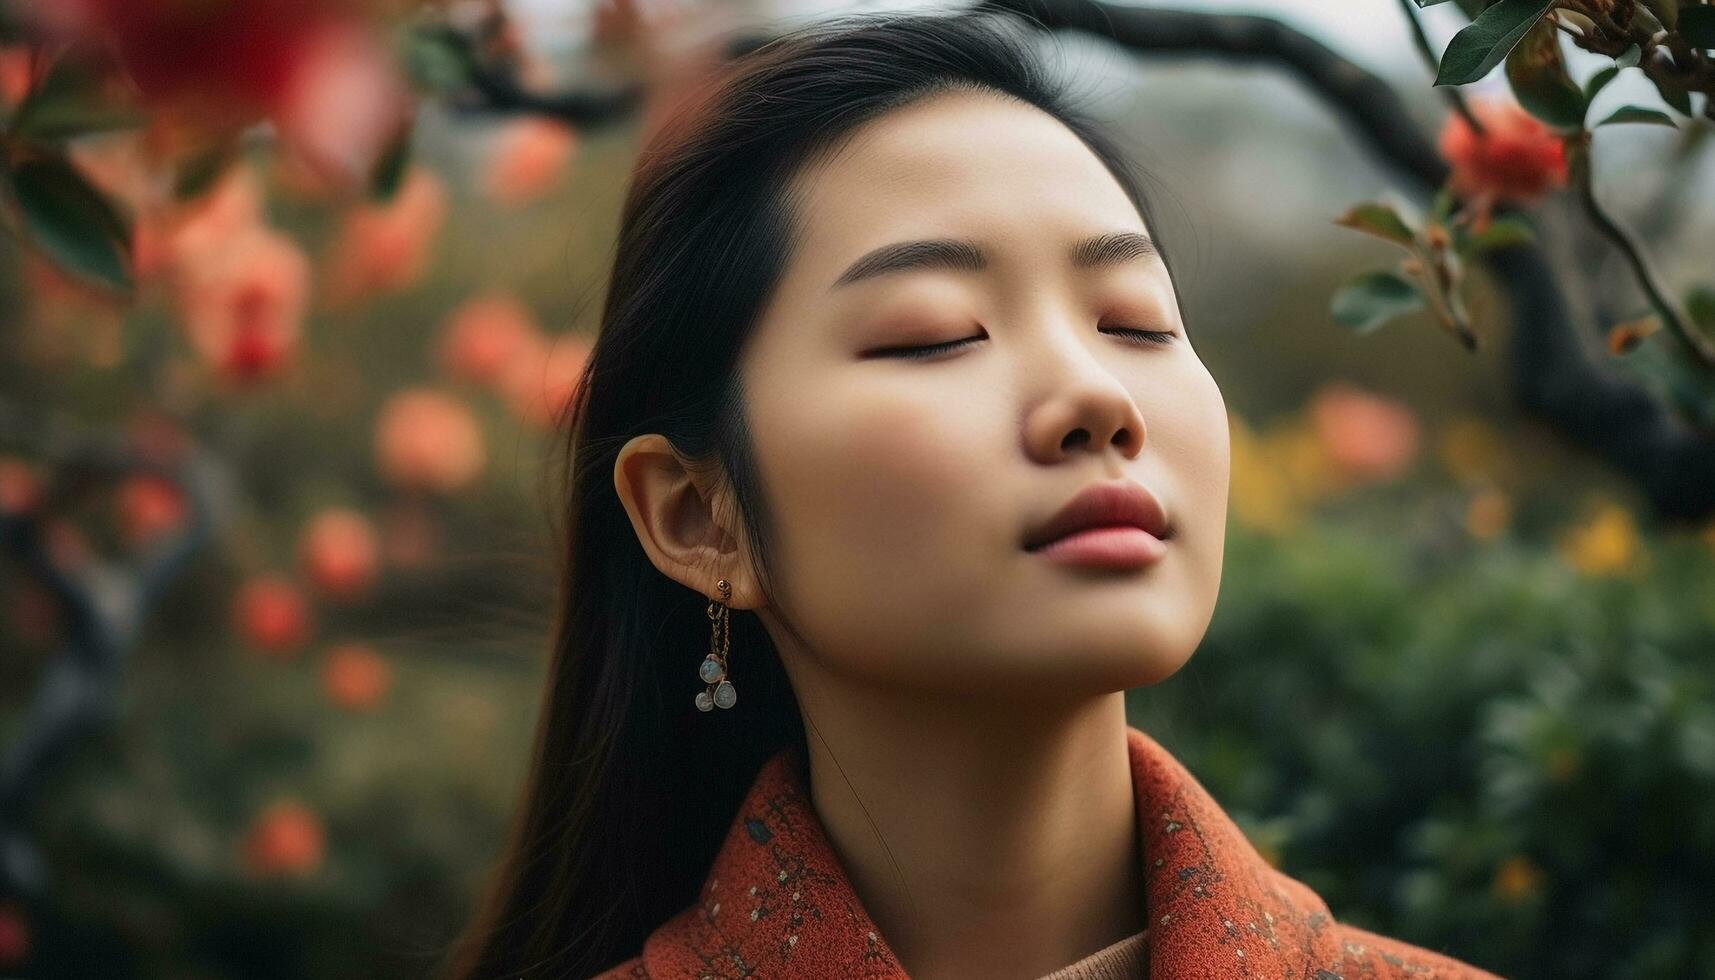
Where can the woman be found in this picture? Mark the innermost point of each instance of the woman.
(889, 326)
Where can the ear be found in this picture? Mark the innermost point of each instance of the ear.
(678, 514)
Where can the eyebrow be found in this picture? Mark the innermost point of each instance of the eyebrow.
(1111, 248)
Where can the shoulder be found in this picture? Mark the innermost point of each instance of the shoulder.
(1361, 953)
(631, 969)
(1367, 954)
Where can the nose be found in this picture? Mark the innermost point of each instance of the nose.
(1082, 405)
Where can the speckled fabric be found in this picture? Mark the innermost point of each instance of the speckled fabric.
(776, 902)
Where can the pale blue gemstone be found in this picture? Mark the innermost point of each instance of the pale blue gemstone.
(704, 702)
(725, 696)
(710, 671)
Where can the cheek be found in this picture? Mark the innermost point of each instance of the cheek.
(884, 525)
(1189, 431)
(1188, 434)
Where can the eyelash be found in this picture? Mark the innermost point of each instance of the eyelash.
(1143, 338)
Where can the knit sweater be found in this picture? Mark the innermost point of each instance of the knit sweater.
(776, 902)
(1127, 959)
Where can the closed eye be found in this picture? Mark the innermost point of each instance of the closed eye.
(1142, 338)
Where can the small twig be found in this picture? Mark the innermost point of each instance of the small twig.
(1658, 294)
(1426, 268)
(1454, 97)
(499, 90)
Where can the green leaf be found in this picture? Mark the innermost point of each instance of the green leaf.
(1542, 86)
(1502, 233)
(1598, 82)
(198, 173)
(1697, 25)
(69, 102)
(1482, 44)
(1372, 299)
(1700, 306)
(1443, 204)
(1380, 220)
(1638, 114)
(1664, 362)
(72, 222)
(391, 165)
(1630, 57)
(433, 59)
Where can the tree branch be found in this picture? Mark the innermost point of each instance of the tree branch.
(1451, 93)
(103, 603)
(1556, 378)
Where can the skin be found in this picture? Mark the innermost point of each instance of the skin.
(964, 698)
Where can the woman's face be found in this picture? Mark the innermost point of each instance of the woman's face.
(903, 489)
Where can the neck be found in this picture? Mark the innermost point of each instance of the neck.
(983, 841)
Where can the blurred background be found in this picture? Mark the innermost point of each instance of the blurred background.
(293, 292)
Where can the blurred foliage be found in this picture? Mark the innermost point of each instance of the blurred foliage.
(1452, 683)
(1472, 745)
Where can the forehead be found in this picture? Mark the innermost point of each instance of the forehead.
(966, 164)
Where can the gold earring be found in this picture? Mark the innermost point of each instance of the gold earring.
(720, 692)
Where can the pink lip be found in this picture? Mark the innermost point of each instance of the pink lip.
(1109, 504)
(1106, 547)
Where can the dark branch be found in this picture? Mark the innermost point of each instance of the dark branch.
(103, 602)
(1557, 378)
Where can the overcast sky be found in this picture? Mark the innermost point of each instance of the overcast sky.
(1369, 29)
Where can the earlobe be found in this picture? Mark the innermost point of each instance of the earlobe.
(671, 514)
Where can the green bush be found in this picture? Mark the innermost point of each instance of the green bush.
(1475, 749)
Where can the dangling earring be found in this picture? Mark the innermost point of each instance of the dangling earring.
(720, 692)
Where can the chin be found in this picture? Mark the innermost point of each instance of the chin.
(1160, 669)
(1132, 668)
(1156, 662)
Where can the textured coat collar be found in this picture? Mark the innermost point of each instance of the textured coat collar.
(777, 903)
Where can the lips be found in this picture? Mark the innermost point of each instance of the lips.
(1120, 503)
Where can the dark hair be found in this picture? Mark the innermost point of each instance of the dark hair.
(631, 789)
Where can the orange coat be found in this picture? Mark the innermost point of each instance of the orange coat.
(776, 902)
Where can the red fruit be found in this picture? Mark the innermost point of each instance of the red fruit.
(531, 154)
(485, 336)
(243, 52)
(343, 104)
(338, 553)
(355, 676)
(271, 614)
(254, 352)
(426, 440)
(243, 304)
(1518, 158)
(1366, 436)
(382, 248)
(20, 488)
(14, 74)
(285, 839)
(539, 387)
(149, 507)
